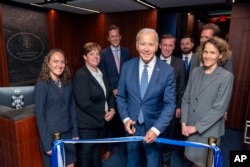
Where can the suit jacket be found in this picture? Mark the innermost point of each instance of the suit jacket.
(108, 64)
(179, 68)
(194, 62)
(90, 99)
(204, 105)
(158, 103)
(55, 111)
(229, 65)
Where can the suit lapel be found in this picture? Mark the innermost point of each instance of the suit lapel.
(93, 80)
(154, 78)
(136, 78)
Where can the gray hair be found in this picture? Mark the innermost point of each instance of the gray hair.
(147, 30)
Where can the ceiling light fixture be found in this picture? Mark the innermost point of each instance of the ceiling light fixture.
(76, 7)
(34, 4)
(144, 3)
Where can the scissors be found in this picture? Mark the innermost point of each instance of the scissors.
(132, 127)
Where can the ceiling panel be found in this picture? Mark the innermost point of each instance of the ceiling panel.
(181, 3)
(111, 6)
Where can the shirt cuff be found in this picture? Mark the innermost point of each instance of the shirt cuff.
(125, 119)
(156, 131)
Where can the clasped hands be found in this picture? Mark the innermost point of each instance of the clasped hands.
(109, 115)
(150, 136)
(188, 130)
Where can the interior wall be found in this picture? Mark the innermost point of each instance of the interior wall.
(77, 30)
(239, 39)
(70, 32)
(4, 77)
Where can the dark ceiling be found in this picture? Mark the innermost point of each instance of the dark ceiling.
(204, 8)
(111, 6)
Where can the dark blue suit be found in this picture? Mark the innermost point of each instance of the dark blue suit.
(158, 105)
(108, 64)
(55, 111)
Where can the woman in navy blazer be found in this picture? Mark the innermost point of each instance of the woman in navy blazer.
(55, 106)
(206, 99)
(94, 104)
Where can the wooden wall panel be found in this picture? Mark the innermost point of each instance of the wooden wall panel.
(130, 23)
(70, 31)
(21, 140)
(4, 77)
(239, 39)
(64, 33)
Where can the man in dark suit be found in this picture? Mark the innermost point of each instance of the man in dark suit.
(112, 59)
(173, 131)
(108, 59)
(186, 46)
(146, 99)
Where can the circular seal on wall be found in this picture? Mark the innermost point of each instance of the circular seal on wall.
(25, 46)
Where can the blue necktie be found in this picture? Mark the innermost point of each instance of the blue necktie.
(144, 85)
(186, 62)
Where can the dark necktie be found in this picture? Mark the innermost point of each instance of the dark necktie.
(186, 62)
(143, 87)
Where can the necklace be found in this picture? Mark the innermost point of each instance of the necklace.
(58, 83)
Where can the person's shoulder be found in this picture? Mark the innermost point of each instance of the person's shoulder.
(131, 61)
(225, 72)
(41, 84)
(125, 49)
(198, 69)
(80, 71)
(105, 50)
(177, 59)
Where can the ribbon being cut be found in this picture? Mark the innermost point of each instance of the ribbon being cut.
(58, 155)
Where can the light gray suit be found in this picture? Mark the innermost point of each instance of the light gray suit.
(204, 104)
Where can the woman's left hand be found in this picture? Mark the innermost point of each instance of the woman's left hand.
(191, 129)
(76, 138)
(109, 115)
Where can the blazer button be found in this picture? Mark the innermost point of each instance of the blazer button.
(193, 110)
(196, 98)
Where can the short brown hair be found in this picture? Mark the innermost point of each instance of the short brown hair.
(188, 36)
(88, 47)
(212, 26)
(114, 27)
(167, 36)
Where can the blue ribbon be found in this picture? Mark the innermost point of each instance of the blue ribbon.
(58, 155)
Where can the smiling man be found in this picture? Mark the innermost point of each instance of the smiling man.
(112, 59)
(146, 99)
